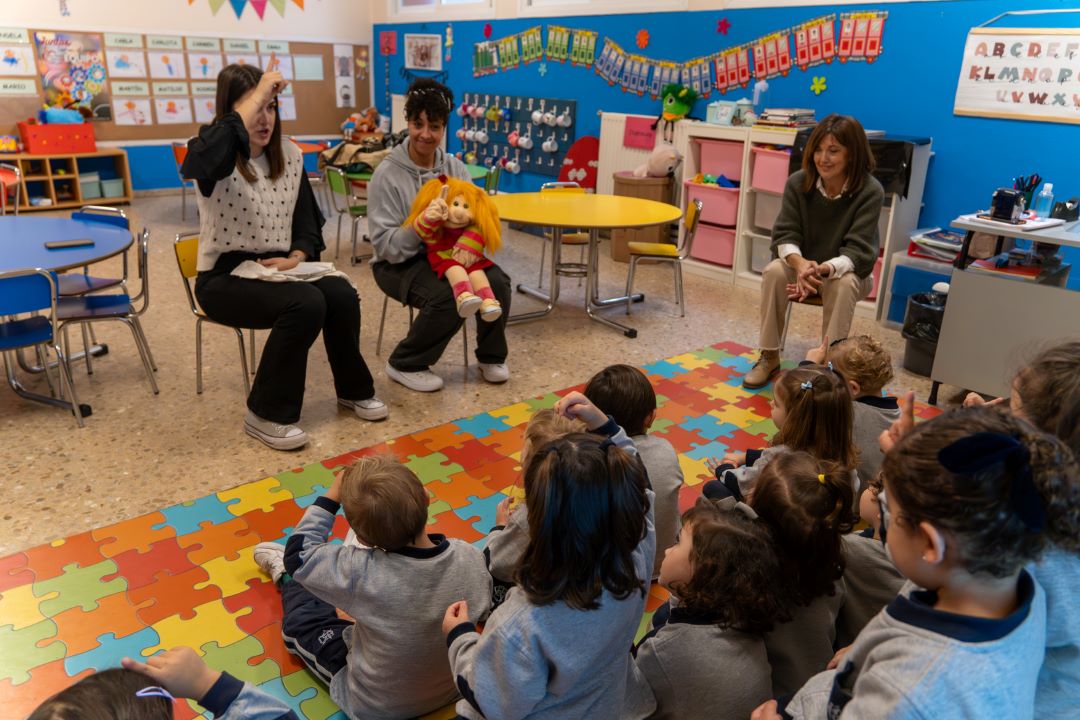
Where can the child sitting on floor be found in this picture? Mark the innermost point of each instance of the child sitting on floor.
(812, 411)
(557, 648)
(507, 541)
(626, 393)
(867, 368)
(146, 691)
(968, 499)
(807, 504)
(705, 657)
(871, 580)
(391, 662)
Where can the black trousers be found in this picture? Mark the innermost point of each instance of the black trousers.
(312, 630)
(295, 313)
(414, 283)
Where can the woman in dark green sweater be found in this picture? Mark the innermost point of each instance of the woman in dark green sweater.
(825, 239)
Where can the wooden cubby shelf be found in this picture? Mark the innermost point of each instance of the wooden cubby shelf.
(56, 176)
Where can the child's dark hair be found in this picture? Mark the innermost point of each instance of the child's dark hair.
(736, 580)
(1049, 390)
(233, 82)
(626, 394)
(808, 504)
(819, 419)
(106, 695)
(978, 507)
(586, 502)
(863, 359)
(430, 97)
(384, 502)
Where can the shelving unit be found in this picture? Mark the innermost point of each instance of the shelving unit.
(56, 176)
(758, 208)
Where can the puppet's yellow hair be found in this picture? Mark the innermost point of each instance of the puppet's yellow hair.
(485, 216)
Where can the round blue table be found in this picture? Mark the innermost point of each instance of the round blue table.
(22, 242)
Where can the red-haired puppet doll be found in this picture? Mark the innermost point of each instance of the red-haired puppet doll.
(457, 221)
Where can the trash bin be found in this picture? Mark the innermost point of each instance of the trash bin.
(922, 327)
(646, 188)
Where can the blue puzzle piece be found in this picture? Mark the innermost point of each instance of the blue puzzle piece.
(738, 363)
(306, 500)
(111, 650)
(480, 426)
(716, 449)
(664, 369)
(485, 508)
(185, 517)
(708, 426)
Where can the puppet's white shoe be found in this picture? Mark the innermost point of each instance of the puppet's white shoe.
(490, 310)
(467, 304)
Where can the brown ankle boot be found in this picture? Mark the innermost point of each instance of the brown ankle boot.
(764, 369)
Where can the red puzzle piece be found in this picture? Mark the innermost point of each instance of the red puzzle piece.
(264, 599)
(270, 526)
(225, 539)
(48, 560)
(173, 595)
(741, 441)
(139, 568)
(14, 571)
(682, 440)
(79, 631)
(498, 475)
(457, 492)
(759, 404)
(505, 442)
(472, 455)
(274, 649)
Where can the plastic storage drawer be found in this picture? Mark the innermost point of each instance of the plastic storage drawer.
(766, 208)
(719, 206)
(770, 169)
(714, 244)
(760, 253)
(113, 188)
(721, 157)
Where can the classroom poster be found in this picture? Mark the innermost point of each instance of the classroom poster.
(16, 60)
(132, 111)
(204, 65)
(173, 111)
(282, 63)
(204, 109)
(286, 107)
(126, 63)
(308, 67)
(167, 65)
(72, 70)
(242, 59)
(344, 81)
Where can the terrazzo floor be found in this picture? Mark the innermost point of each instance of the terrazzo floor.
(139, 452)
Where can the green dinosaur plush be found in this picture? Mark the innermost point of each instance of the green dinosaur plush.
(678, 101)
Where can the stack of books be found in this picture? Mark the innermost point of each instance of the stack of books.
(936, 244)
(787, 118)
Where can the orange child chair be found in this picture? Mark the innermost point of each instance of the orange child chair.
(10, 182)
(179, 150)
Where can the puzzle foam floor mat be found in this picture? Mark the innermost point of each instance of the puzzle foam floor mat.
(184, 575)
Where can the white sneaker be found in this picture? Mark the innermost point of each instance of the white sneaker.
(270, 556)
(420, 381)
(274, 435)
(495, 372)
(371, 409)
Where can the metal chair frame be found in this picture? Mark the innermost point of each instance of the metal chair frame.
(580, 269)
(186, 263)
(382, 324)
(179, 153)
(690, 224)
(18, 188)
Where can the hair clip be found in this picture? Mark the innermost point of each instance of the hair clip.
(829, 365)
(975, 453)
(605, 444)
(821, 478)
(807, 385)
(155, 691)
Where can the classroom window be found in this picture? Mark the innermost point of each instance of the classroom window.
(418, 10)
(548, 8)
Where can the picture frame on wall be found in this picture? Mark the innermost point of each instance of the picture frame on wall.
(423, 52)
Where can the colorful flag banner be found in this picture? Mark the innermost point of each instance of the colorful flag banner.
(772, 55)
(485, 58)
(558, 43)
(582, 47)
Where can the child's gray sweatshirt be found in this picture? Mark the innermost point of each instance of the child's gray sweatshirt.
(913, 661)
(397, 664)
(871, 582)
(804, 645)
(871, 416)
(1058, 694)
(666, 478)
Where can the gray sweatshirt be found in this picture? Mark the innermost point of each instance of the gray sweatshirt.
(553, 661)
(871, 582)
(872, 415)
(397, 664)
(913, 661)
(1058, 693)
(805, 644)
(666, 478)
(690, 669)
(391, 191)
(746, 475)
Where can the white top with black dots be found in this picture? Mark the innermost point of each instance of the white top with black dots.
(253, 217)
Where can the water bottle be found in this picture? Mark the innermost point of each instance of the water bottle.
(1044, 203)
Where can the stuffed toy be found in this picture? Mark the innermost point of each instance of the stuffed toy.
(369, 121)
(457, 222)
(661, 163)
(678, 101)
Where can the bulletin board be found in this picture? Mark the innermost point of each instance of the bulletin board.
(316, 100)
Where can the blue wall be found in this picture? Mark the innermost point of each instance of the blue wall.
(908, 90)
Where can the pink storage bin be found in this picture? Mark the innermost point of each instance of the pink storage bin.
(714, 245)
(877, 279)
(769, 171)
(719, 206)
(721, 157)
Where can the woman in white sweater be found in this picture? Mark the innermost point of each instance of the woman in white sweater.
(255, 203)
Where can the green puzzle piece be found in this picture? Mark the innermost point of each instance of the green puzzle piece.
(79, 587)
(540, 403)
(712, 354)
(660, 425)
(234, 658)
(20, 652)
(436, 507)
(310, 478)
(435, 466)
(317, 707)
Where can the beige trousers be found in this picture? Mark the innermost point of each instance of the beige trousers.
(838, 303)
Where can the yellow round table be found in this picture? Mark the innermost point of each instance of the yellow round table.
(561, 210)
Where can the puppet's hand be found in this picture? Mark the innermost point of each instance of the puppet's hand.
(464, 256)
(437, 210)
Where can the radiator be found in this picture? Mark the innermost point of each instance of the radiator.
(613, 156)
